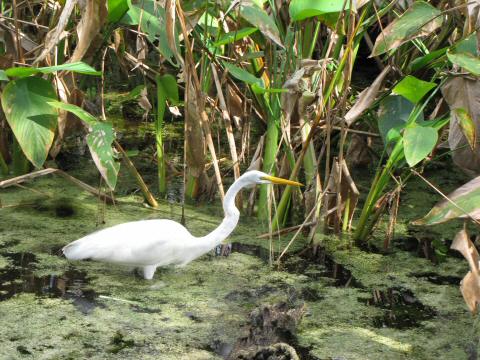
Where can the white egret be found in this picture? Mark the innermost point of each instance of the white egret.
(148, 244)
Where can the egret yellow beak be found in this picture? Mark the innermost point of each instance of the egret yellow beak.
(280, 181)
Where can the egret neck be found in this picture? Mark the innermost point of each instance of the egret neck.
(230, 220)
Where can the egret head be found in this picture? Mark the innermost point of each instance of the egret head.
(258, 177)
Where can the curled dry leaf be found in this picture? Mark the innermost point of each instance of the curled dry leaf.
(93, 17)
(463, 93)
(366, 98)
(470, 285)
(170, 15)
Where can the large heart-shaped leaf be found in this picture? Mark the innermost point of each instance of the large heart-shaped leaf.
(418, 142)
(419, 20)
(413, 89)
(393, 113)
(31, 119)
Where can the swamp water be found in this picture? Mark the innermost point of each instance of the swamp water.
(340, 303)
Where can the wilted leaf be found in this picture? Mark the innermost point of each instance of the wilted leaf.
(366, 98)
(418, 142)
(465, 200)
(467, 61)
(413, 89)
(31, 119)
(463, 93)
(260, 19)
(170, 16)
(93, 17)
(470, 285)
(419, 20)
(467, 125)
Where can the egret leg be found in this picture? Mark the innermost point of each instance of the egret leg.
(149, 271)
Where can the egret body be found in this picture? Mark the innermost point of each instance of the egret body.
(148, 244)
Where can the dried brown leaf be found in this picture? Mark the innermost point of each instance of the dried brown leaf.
(470, 285)
(463, 93)
(93, 17)
(366, 98)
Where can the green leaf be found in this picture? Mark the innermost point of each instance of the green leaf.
(78, 67)
(170, 88)
(233, 36)
(466, 199)
(31, 119)
(467, 61)
(3, 76)
(467, 125)
(422, 61)
(243, 75)
(393, 113)
(304, 9)
(260, 19)
(99, 141)
(419, 20)
(413, 89)
(153, 23)
(83, 115)
(418, 142)
(116, 10)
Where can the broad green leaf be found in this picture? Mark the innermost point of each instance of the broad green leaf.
(393, 113)
(76, 110)
(467, 45)
(467, 61)
(170, 87)
(31, 119)
(260, 19)
(3, 76)
(467, 125)
(466, 199)
(99, 141)
(233, 36)
(116, 10)
(304, 9)
(420, 19)
(243, 75)
(78, 67)
(412, 88)
(418, 142)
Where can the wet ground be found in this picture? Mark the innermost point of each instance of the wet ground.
(332, 302)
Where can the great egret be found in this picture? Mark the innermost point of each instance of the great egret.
(148, 244)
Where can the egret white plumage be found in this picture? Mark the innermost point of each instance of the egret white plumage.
(148, 244)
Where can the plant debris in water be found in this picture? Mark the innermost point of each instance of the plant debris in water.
(402, 310)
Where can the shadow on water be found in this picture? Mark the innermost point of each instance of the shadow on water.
(19, 278)
(402, 309)
(315, 264)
